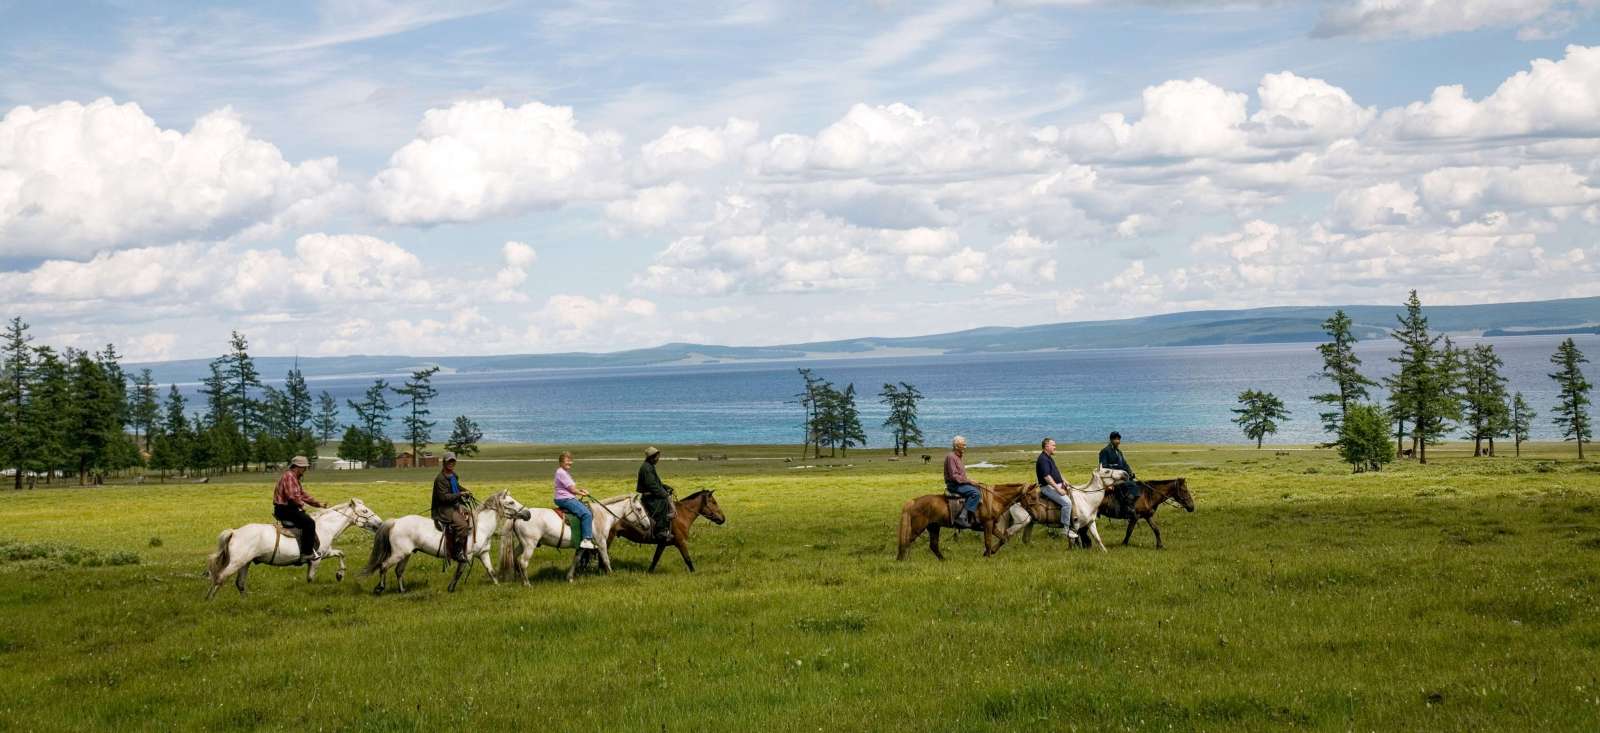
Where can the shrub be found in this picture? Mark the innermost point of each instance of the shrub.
(1364, 439)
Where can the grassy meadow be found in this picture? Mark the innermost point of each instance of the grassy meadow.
(1458, 595)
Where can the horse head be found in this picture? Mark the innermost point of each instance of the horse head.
(1179, 490)
(1105, 478)
(507, 507)
(1031, 502)
(709, 508)
(365, 518)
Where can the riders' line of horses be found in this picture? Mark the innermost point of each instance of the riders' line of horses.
(520, 530)
(1004, 510)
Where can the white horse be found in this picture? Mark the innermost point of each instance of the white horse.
(545, 527)
(238, 549)
(398, 538)
(1084, 503)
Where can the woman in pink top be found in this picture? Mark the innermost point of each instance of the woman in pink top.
(567, 494)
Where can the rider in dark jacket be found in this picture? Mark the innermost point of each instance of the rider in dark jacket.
(657, 496)
(451, 508)
(1111, 457)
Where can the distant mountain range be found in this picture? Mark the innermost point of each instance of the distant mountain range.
(1288, 324)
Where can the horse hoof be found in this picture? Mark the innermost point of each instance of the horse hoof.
(339, 576)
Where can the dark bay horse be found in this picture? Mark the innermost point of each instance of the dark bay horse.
(932, 511)
(1154, 494)
(686, 510)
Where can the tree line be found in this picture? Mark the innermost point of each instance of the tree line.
(74, 412)
(1437, 389)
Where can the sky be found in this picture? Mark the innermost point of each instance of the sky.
(372, 177)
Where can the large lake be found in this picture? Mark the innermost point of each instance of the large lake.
(1179, 394)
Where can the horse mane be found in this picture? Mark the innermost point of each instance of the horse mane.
(319, 511)
(614, 499)
(696, 494)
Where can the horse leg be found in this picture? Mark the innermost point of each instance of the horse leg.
(523, 558)
(988, 539)
(1151, 520)
(572, 570)
(1134, 522)
(1094, 532)
(1027, 533)
(487, 569)
(605, 556)
(338, 576)
(238, 580)
(683, 549)
(461, 567)
(659, 549)
(933, 541)
(911, 530)
(399, 573)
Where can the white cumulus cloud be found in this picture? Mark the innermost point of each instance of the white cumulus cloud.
(76, 179)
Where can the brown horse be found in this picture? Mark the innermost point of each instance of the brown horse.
(687, 509)
(1155, 494)
(932, 511)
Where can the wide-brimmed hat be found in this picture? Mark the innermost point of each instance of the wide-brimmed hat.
(651, 451)
(448, 457)
(299, 461)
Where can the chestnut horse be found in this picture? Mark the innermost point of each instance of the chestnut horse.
(1154, 494)
(932, 511)
(699, 504)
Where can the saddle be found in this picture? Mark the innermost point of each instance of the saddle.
(292, 533)
(956, 505)
(574, 524)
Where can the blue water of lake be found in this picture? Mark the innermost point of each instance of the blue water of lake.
(1177, 394)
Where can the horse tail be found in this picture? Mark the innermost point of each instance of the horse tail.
(905, 521)
(219, 559)
(382, 547)
(508, 542)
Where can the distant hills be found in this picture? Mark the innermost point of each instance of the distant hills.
(1287, 324)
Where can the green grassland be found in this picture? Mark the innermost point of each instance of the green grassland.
(1457, 595)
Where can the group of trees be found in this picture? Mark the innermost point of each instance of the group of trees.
(1436, 389)
(832, 418)
(76, 412)
(64, 412)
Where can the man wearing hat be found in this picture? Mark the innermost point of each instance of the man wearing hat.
(657, 496)
(289, 501)
(1111, 457)
(451, 508)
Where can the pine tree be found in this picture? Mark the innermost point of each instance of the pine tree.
(1364, 438)
(145, 408)
(848, 432)
(240, 373)
(372, 416)
(299, 416)
(16, 377)
(1340, 365)
(1259, 414)
(464, 437)
(1423, 390)
(355, 445)
(810, 400)
(50, 414)
(418, 392)
(93, 424)
(902, 419)
(173, 445)
(1483, 402)
(1521, 421)
(327, 419)
(1572, 409)
(215, 390)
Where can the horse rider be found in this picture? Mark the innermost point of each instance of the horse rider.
(657, 496)
(567, 493)
(452, 507)
(289, 501)
(1111, 457)
(1051, 486)
(956, 482)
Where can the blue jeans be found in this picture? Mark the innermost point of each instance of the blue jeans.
(970, 493)
(578, 509)
(1049, 494)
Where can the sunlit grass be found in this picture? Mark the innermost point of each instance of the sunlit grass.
(1456, 595)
